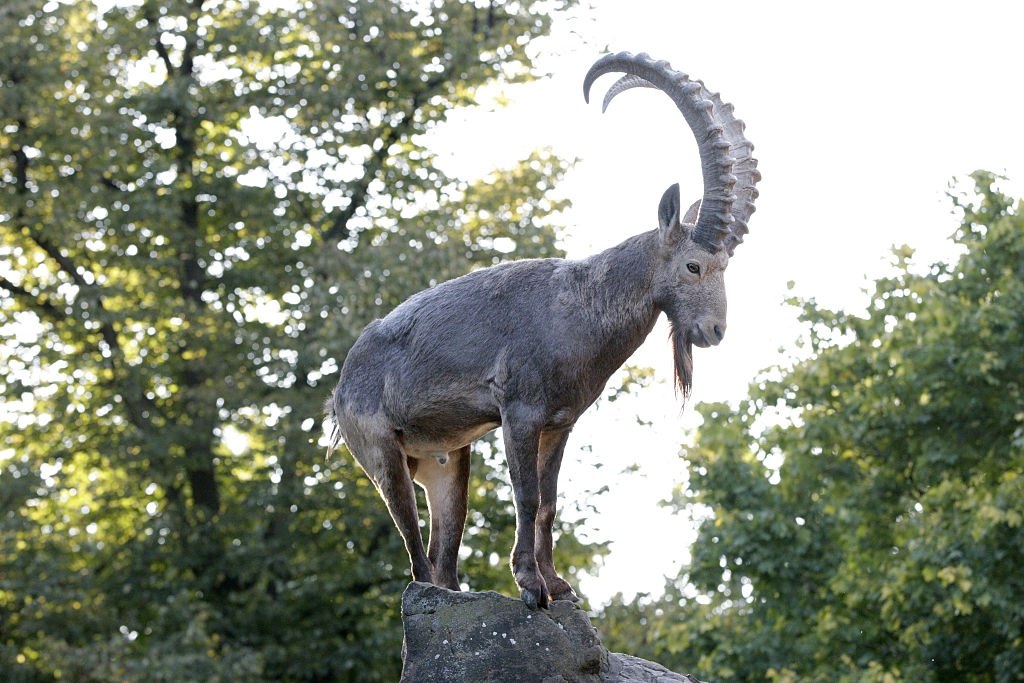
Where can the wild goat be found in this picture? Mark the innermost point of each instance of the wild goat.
(529, 345)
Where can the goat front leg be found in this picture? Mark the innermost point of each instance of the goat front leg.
(522, 439)
(552, 446)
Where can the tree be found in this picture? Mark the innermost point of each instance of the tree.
(203, 202)
(863, 509)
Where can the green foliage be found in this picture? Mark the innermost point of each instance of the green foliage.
(862, 511)
(203, 203)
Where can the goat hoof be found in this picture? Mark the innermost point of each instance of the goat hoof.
(559, 589)
(449, 582)
(535, 599)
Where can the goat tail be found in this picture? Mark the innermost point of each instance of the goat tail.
(335, 438)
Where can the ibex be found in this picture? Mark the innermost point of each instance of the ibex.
(529, 345)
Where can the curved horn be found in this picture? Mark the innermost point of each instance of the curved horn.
(728, 169)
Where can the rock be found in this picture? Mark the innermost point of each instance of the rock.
(453, 636)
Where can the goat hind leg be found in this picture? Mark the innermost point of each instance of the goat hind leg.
(552, 446)
(447, 489)
(391, 474)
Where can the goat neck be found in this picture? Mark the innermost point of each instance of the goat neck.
(615, 292)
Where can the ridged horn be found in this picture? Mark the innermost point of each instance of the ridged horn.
(728, 169)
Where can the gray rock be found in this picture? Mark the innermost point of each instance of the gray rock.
(478, 637)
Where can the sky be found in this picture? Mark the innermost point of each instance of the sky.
(863, 116)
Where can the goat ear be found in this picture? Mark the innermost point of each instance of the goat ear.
(668, 216)
(691, 214)
(668, 209)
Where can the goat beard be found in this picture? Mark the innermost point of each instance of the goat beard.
(682, 355)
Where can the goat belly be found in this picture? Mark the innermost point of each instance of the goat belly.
(422, 446)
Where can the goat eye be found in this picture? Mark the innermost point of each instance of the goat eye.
(693, 268)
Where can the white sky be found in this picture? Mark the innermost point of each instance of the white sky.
(861, 114)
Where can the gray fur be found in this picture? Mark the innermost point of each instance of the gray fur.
(527, 345)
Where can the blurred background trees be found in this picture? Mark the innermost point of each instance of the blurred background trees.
(203, 202)
(862, 510)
